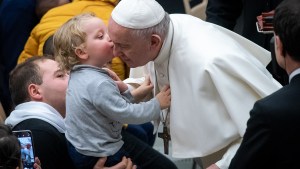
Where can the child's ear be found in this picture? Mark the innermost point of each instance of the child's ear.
(81, 53)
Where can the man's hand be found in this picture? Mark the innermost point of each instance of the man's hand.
(126, 163)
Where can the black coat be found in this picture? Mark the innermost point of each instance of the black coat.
(272, 138)
(226, 13)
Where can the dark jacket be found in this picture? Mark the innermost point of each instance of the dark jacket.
(226, 14)
(273, 132)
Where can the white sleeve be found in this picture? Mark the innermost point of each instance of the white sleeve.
(227, 157)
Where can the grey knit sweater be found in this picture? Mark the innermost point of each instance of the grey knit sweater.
(96, 111)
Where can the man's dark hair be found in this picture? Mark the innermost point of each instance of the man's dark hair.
(287, 27)
(22, 76)
(10, 149)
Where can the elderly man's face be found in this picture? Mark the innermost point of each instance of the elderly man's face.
(133, 51)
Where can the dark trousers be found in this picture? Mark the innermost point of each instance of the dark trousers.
(144, 155)
(87, 162)
(143, 131)
(141, 154)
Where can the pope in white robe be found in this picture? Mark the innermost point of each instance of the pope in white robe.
(215, 77)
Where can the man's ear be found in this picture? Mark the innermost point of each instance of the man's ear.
(34, 92)
(81, 53)
(155, 41)
(279, 47)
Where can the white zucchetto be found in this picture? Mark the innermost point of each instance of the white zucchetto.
(138, 14)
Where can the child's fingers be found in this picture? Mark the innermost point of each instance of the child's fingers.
(166, 88)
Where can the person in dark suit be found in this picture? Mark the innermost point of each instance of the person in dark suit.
(272, 136)
(226, 14)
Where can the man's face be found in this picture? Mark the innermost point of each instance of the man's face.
(132, 50)
(54, 86)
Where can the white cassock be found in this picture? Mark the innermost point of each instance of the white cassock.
(215, 77)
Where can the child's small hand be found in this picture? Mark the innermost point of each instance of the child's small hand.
(112, 74)
(121, 85)
(164, 97)
(143, 90)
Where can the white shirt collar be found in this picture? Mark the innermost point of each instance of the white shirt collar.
(164, 53)
(293, 74)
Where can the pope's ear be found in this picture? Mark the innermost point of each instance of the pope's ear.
(34, 92)
(155, 41)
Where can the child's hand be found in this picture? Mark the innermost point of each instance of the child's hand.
(164, 97)
(143, 90)
(121, 85)
(112, 74)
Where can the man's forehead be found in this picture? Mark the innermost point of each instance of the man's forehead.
(48, 66)
(116, 30)
(122, 37)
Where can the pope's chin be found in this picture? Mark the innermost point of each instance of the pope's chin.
(130, 63)
(127, 61)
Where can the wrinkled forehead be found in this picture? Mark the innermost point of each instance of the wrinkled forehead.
(118, 33)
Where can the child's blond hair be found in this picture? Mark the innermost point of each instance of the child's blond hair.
(69, 37)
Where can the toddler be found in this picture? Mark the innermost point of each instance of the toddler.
(98, 103)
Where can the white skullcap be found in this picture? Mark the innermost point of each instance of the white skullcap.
(138, 14)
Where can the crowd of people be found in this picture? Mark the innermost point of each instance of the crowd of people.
(206, 84)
